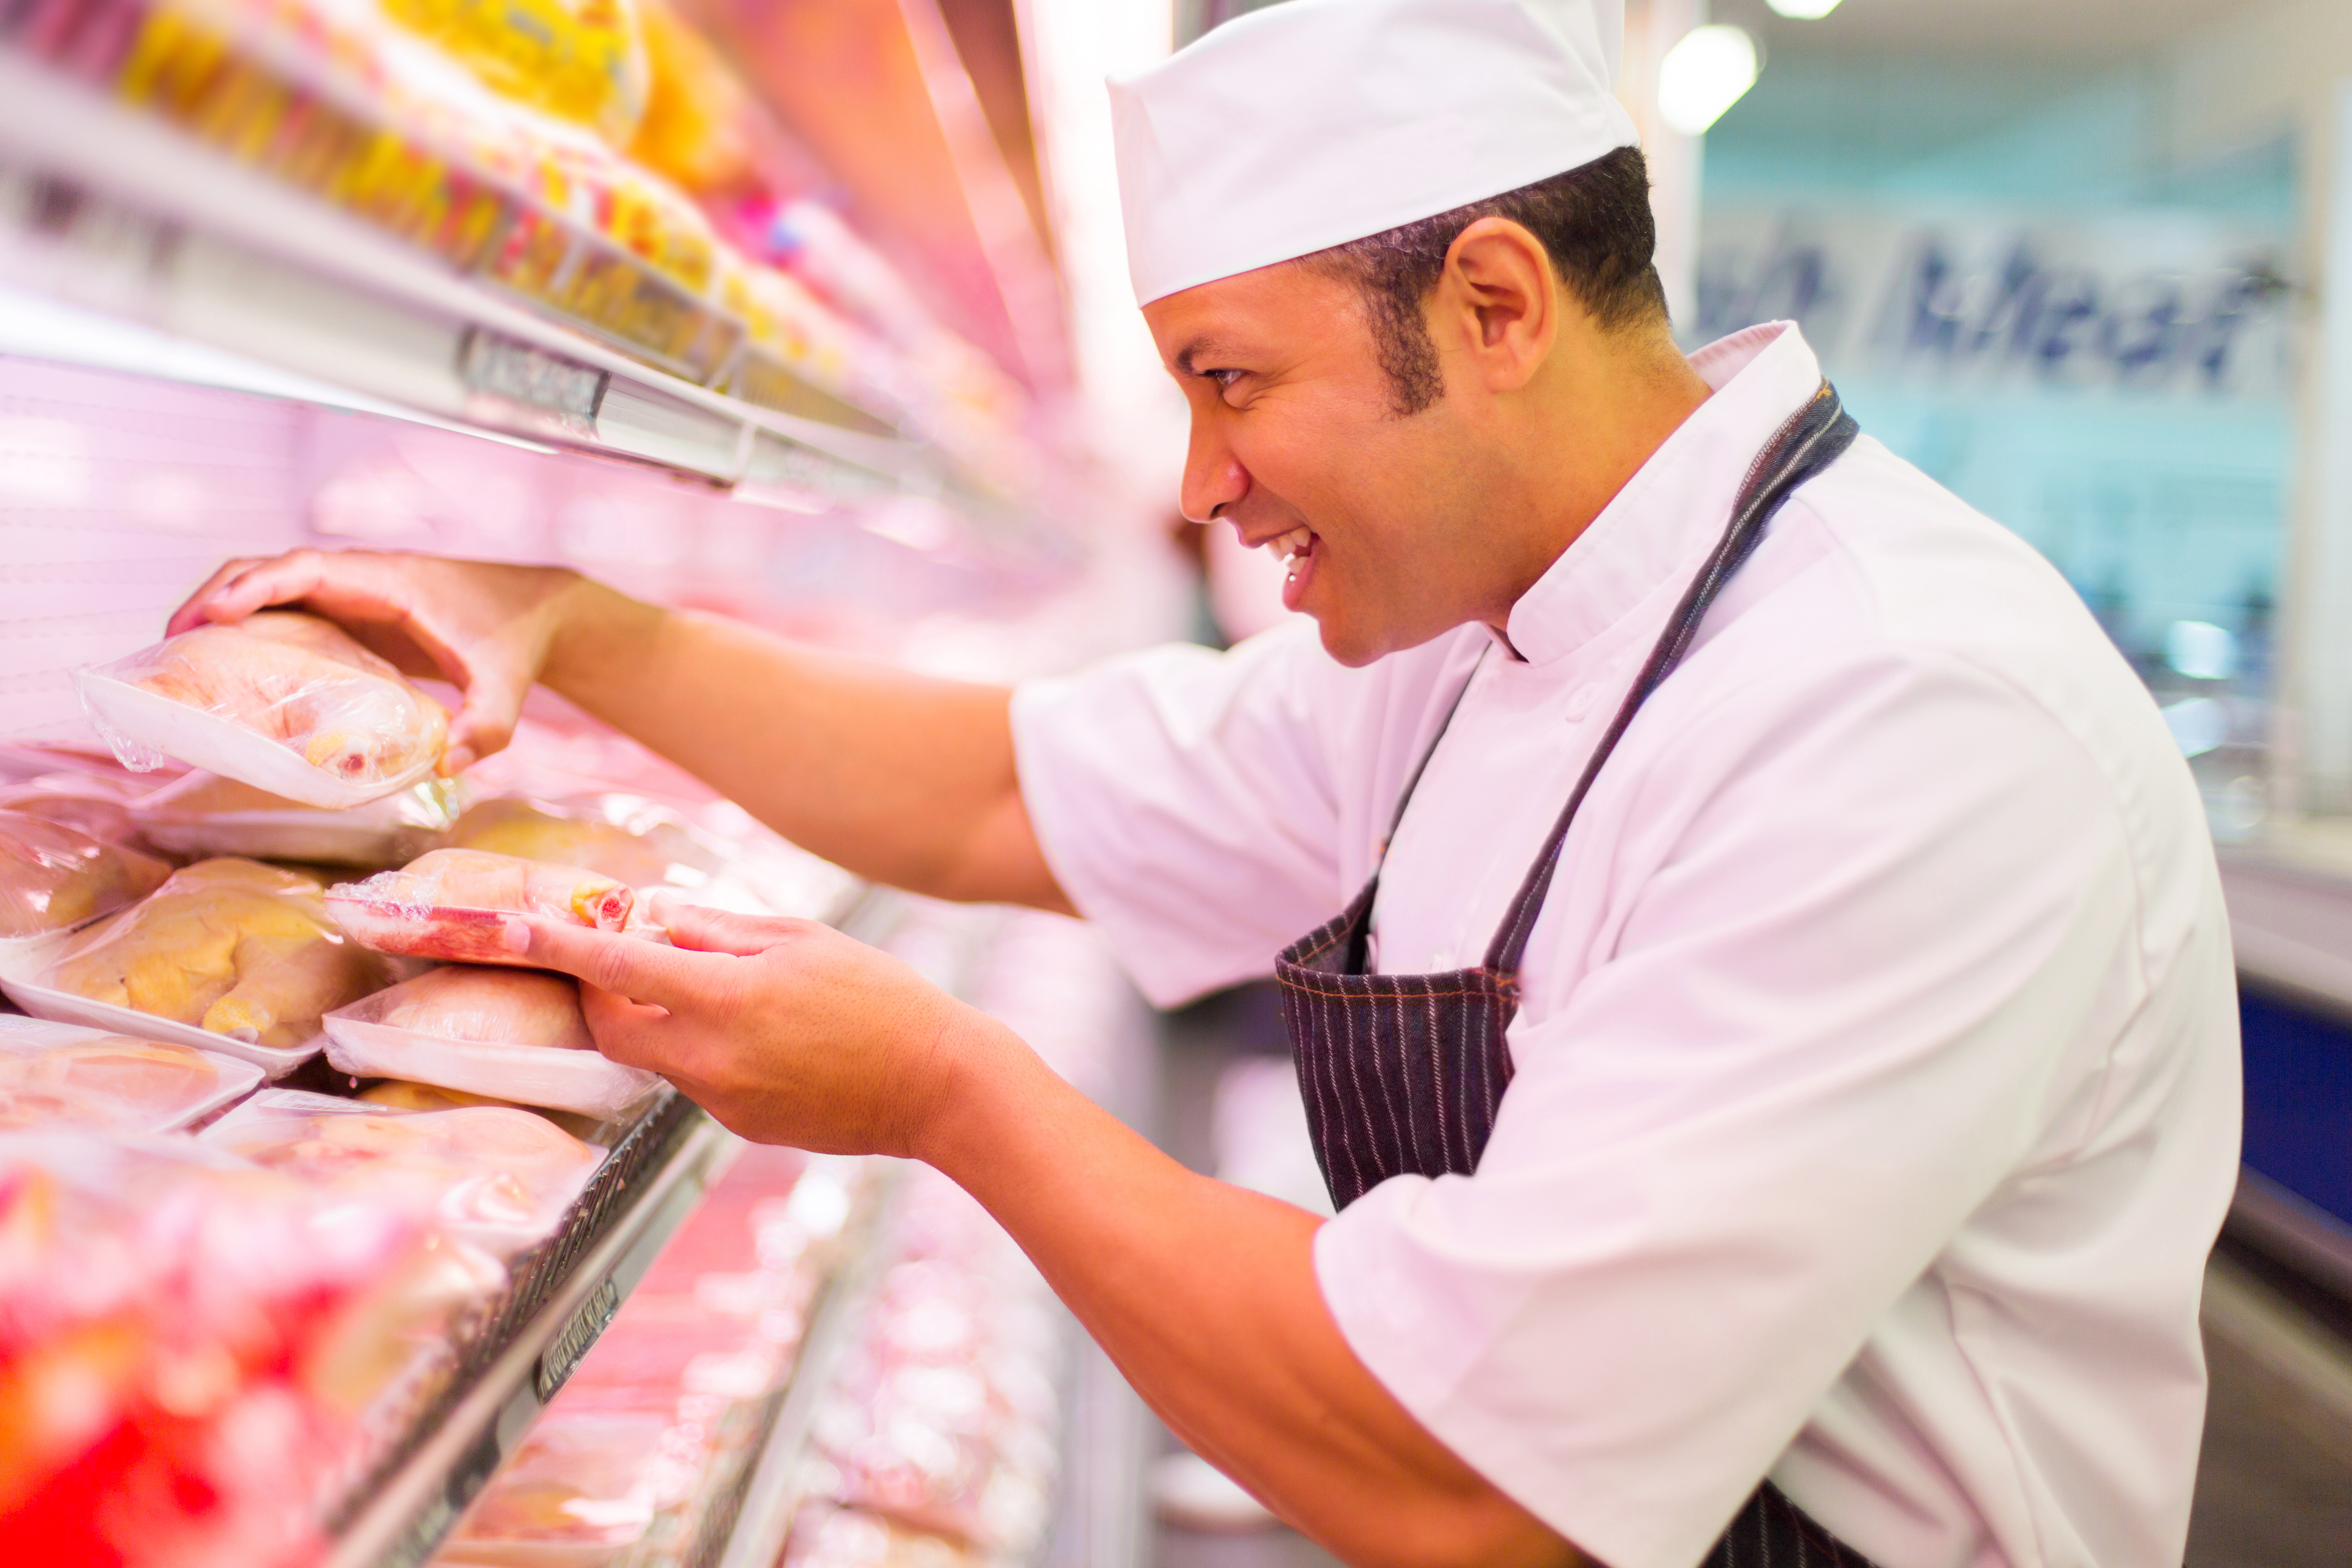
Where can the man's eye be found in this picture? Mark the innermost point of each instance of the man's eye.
(1225, 378)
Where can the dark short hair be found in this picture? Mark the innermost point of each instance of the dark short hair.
(1594, 221)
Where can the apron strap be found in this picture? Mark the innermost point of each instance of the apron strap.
(1815, 436)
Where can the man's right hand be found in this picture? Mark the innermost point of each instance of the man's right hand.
(484, 626)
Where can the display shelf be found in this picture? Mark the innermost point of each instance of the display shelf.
(563, 1296)
(106, 208)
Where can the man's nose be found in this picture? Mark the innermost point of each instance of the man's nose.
(1214, 478)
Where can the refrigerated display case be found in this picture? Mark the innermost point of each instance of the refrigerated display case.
(279, 274)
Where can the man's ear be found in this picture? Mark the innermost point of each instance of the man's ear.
(1496, 300)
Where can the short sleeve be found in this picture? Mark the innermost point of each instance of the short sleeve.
(1816, 1030)
(1184, 800)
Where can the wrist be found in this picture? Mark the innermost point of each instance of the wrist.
(594, 631)
(979, 1070)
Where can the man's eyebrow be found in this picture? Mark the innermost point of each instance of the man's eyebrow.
(1188, 358)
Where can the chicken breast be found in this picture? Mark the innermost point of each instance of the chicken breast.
(230, 946)
(112, 1081)
(302, 681)
(490, 1007)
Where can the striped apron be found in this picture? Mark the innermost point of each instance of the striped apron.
(1404, 1073)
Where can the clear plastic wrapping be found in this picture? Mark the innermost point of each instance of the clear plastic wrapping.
(453, 904)
(95, 804)
(495, 1177)
(507, 1034)
(63, 1074)
(55, 877)
(282, 700)
(241, 951)
(204, 813)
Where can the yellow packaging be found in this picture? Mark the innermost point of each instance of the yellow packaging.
(582, 61)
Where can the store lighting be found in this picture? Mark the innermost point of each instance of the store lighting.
(1702, 76)
(1802, 10)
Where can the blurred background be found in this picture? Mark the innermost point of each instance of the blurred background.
(816, 312)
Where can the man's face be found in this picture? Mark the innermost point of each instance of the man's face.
(1297, 443)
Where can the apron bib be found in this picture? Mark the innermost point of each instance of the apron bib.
(1404, 1073)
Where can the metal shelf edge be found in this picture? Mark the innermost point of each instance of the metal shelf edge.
(401, 1524)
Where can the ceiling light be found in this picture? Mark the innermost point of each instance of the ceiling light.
(1803, 10)
(1703, 75)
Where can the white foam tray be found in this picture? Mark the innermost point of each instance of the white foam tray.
(148, 723)
(559, 1079)
(16, 981)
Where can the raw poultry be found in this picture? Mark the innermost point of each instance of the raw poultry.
(302, 681)
(451, 904)
(489, 1006)
(112, 1081)
(231, 946)
(54, 875)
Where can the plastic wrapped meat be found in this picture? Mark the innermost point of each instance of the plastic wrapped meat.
(54, 876)
(229, 946)
(282, 700)
(204, 813)
(507, 1034)
(192, 1350)
(827, 1537)
(499, 1177)
(60, 1075)
(452, 904)
(624, 837)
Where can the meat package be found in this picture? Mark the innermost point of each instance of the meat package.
(62, 1074)
(204, 813)
(492, 1175)
(453, 904)
(55, 876)
(243, 951)
(93, 803)
(281, 701)
(194, 1349)
(509, 1034)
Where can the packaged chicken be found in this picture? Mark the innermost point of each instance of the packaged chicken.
(229, 955)
(193, 1348)
(204, 813)
(282, 700)
(55, 877)
(63, 1074)
(453, 904)
(508, 1034)
(623, 836)
(497, 1177)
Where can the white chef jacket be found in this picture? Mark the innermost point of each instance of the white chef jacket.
(1877, 1096)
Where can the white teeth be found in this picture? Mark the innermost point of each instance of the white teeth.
(1291, 545)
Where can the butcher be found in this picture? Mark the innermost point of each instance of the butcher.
(1753, 952)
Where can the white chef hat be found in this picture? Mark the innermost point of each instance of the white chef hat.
(1314, 122)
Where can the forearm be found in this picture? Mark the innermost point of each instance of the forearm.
(1205, 1296)
(903, 779)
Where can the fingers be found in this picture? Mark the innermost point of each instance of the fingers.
(485, 723)
(190, 613)
(697, 927)
(628, 1032)
(624, 965)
